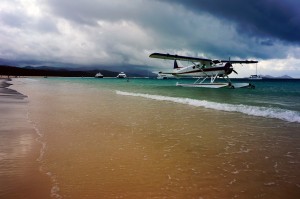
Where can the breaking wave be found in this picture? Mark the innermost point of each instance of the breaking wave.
(276, 113)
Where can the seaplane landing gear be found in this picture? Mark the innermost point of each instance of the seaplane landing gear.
(251, 86)
(230, 85)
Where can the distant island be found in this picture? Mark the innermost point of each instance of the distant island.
(46, 71)
(280, 77)
(6, 70)
(272, 77)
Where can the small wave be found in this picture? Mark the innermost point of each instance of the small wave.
(38, 139)
(276, 113)
(55, 188)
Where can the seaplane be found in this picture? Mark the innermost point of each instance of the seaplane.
(203, 69)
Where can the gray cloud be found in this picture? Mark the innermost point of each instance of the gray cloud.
(13, 19)
(263, 18)
(89, 12)
(116, 32)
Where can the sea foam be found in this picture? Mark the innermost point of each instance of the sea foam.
(277, 113)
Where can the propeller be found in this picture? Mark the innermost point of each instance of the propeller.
(229, 68)
(232, 67)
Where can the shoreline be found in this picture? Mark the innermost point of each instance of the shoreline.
(8, 92)
(20, 175)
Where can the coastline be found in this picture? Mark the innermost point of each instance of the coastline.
(20, 175)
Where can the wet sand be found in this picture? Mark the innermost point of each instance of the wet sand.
(103, 145)
(20, 176)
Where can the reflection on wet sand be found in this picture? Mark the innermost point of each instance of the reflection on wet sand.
(19, 171)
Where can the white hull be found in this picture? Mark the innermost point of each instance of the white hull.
(204, 85)
(98, 75)
(242, 85)
(122, 75)
(217, 85)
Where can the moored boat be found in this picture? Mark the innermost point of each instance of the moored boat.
(121, 75)
(162, 76)
(255, 77)
(99, 75)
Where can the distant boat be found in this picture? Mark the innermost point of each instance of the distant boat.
(162, 76)
(121, 75)
(99, 75)
(255, 77)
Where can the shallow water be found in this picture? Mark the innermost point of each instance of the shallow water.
(106, 140)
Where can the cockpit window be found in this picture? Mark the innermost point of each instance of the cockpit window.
(216, 61)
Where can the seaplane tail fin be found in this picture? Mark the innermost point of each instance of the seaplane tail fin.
(177, 64)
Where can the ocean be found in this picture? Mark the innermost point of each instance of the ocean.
(272, 98)
(147, 138)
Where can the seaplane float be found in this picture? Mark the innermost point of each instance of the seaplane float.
(204, 69)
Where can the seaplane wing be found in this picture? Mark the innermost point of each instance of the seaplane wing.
(178, 57)
(240, 62)
(196, 59)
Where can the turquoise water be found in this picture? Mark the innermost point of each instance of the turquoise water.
(278, 99)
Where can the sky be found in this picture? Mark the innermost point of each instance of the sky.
(125, 32)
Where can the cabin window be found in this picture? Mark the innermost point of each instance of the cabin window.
(216, 61)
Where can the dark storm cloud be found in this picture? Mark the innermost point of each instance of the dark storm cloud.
(268, 42)
(120, 32)
(262, 18)
(210, 27)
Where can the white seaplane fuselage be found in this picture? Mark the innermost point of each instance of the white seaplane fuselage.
(219, 70)
(211, 69)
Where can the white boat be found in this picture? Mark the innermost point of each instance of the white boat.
(162, 76)
(255, 77)
(121, 75)
(98, 75)
(204, 85)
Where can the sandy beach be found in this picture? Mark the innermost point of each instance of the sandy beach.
(95, 143)
(64, 138)
(20, 176)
